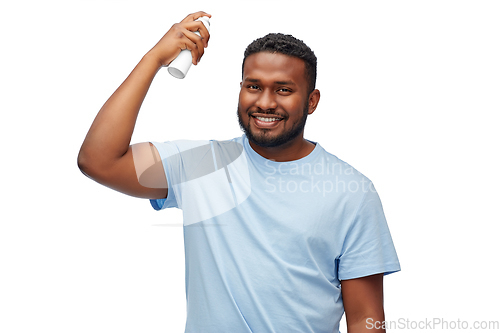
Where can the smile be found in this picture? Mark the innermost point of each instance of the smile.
(266, 122)
(268, 119)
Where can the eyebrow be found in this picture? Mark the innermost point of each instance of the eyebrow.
(289, 83)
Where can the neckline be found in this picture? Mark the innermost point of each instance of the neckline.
(261, 159)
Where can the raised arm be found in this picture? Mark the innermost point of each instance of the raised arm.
(106, 155)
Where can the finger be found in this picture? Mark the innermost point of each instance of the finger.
(198, 42)
(201, 28)
(195, 16)
(187, 44)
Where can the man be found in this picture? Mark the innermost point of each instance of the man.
(280, 235)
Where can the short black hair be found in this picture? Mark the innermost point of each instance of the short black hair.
(287, 45)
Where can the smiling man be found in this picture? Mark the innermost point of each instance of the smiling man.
(276, 96)
(280, 235)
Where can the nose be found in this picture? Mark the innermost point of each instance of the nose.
(266, 100)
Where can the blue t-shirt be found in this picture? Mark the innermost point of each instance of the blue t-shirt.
(267, 243)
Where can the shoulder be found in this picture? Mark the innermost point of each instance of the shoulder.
(192, 146)
(338, 168)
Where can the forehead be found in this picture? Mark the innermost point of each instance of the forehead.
(274, 67)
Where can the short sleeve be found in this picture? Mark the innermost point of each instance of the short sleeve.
(183, 162)
(166, 149)
(368, 247)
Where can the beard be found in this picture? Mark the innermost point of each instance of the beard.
(265, 139)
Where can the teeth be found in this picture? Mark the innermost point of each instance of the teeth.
(267, 119)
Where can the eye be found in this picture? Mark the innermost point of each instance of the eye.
(253, 87)
(284, 91)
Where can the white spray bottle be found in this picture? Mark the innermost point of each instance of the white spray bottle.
(180, 66)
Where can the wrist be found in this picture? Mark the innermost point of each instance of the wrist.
(150, 59)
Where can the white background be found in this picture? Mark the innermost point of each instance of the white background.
(409, 96)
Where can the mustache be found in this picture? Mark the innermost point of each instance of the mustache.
(268, 112)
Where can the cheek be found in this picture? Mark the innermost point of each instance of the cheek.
(245, 102)
(292, 105)
(241, 99)
(245, 98)
(242, 108)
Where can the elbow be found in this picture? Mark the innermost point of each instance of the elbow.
(93, 166)
(84, 163)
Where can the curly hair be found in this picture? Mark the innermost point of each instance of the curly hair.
(287, 45)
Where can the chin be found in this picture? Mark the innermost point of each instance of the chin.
(265, 139)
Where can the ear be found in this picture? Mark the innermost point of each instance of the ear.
(313, 101)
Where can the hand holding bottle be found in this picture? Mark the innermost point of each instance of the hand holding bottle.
(182, 36)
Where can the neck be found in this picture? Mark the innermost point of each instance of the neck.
(290, 151)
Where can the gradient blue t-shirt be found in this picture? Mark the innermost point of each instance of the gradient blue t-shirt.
(267, 243)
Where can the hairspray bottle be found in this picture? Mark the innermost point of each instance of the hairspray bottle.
(180, 66)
